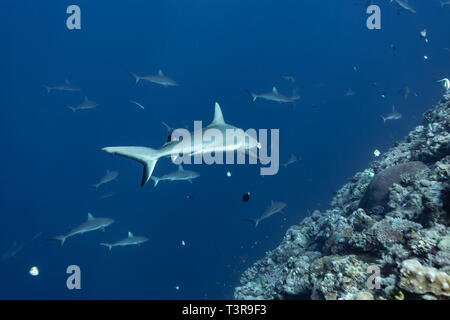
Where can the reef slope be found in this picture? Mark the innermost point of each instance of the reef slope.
(393, 216)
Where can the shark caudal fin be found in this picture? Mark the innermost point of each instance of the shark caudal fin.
(48, 88)
(61, 240)
(96, 185)
(146, 156)
(252, 95)
(72, 108)
(155, 181)
(109, 246)
(255, 221)
(135, 76)
(384, 119)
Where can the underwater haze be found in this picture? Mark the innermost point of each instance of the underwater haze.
(199, 241)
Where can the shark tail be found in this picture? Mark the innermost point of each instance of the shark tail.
(72, 108)
(48, 88)
(135, 76)
(96, 185)
(252, 95)
(255, 221)
(61, 240)
(384, 119)
(155, 180)
(146, 156)
(108, 245)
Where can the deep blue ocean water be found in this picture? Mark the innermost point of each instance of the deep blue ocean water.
(50, 156)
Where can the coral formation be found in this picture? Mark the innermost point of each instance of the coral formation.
(393, 216)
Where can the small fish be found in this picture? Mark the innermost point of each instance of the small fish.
(394, 115)
(275, 207)
(291, 79)
(158, 78)
(91, 224)
(108, 177)
(178, 175)
(131, 240)
(67, 86)
(137, 103)
(85, 105)
(349, 93)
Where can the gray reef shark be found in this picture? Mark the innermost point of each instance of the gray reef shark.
(275, 207)
(148, 156)
(159, 78)
(91, 224)
(274, 95)
(85, 105)
(179, 175)
(108, 177)
(405, 5)
(131, 240)
(67, 86)
(394, 115)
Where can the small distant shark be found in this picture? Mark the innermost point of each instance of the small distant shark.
(404, 92)
(131, 240)
(291, 79)
(67, 86)
(149, 156)
(394, 115)
(13, 250)
(405, 5)
(292, 159)
(91, 224)
(108, 177)
(159, 78)
(85, 105)
(274, 95)
(349, 93)
(179, 175)
(275, 207)
(445, 3)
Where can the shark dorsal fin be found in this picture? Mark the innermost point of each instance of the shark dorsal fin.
(393, 108)
(90, 216)
(274, 90)
(160, 73)
(218, 116)
(180, 167)
(130, 234)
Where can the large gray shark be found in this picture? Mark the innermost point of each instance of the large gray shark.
(274, 95)
(275, 207)
(394, 115)
(85, 105)
(148, 156)
(67, 86)
(179, 175)
(91, 224)
(405, 5)
(159, 78)
(108, 177)
(131, 240)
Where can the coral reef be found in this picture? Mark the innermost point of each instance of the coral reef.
(392, 217)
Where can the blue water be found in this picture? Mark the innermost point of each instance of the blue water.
(50, 156)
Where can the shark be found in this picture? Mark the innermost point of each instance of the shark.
(292, 159)
(274, 207)
(405, 5)
(91, 224)
(404, 92)
(13, 250)
(67, 86)
(148, 157)
(394, 115)
(131, 240)
(158, 78)
(85, 105)
(179, 175)
(108, 177)
(445, 3)
(274, 95)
